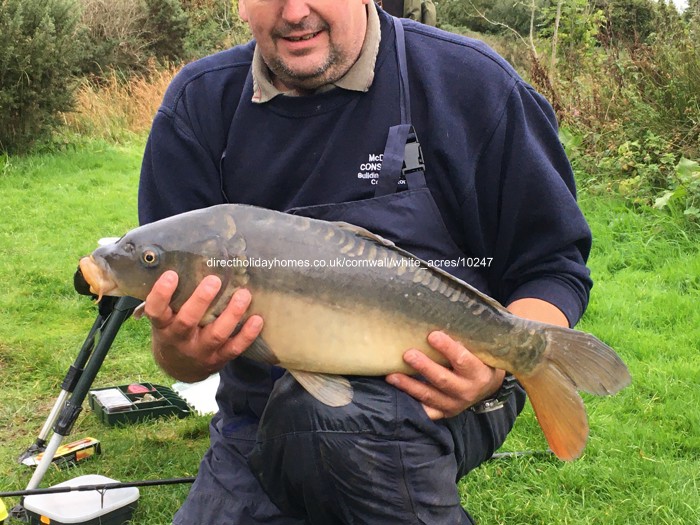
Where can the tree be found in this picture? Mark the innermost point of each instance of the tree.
(479, 15)
(166, 29)
(628, 22)
(127, 35)
(214, 25)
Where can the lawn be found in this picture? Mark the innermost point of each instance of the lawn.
(643, 457)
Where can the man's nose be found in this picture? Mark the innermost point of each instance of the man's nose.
(294, 11)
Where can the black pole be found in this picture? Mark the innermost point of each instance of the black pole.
(98, 487)
(73, 406)
(72, 377)
(69, 413)
(122, 310)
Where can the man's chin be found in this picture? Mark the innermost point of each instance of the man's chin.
(301, 74)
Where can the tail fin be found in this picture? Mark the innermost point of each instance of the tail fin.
(572, 361)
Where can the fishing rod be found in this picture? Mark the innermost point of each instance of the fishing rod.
(97, 487)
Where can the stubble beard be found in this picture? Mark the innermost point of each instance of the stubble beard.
(326, 73)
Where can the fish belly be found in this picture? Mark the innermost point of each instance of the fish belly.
(337, 339)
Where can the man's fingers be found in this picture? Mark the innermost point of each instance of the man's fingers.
(434, 413)
(461, 359)
(470, 378)
(243, 339)
(435, 403)
(219, 332)
(443, 378)
(195, 307)
(447, 391)
(223, 327)
(157, 307)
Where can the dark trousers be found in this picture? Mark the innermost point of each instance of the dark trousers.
(378, 461)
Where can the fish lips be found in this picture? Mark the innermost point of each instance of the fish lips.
(95, 277)
(80, 284)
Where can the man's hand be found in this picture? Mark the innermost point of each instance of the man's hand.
(449, 391)
(181, 347)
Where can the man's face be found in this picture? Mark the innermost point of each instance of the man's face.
(307, 43)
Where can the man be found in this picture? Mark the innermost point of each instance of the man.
(338, 111)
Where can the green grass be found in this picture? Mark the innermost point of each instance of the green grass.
(640, 466)
(643, 456)
(54, 208)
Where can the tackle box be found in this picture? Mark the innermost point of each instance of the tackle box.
(136, 402)
(91, 507)
(68, 454)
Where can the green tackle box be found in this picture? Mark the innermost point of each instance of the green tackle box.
(125, 404)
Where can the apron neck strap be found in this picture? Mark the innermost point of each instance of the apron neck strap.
(402, 153)
(404, 91)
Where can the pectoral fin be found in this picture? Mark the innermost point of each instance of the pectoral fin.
(331, 390)
(260, 352)
(139, 311)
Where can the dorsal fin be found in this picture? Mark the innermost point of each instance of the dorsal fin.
(362, 232)
(378, 239)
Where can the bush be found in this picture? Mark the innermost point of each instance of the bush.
(628, 22)
(166, 27)
(632, 108)
(487, 16)
(128, 35)
(668, 71)
(213, 25)
(41, 49)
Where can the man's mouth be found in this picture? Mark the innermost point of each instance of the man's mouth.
(308, 36)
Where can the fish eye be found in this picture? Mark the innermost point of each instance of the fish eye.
(149, 258)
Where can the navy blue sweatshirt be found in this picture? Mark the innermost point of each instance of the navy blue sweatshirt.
(494, 163)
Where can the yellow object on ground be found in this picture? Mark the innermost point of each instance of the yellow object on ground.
(3, 512)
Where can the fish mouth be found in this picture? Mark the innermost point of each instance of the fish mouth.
(99, 280)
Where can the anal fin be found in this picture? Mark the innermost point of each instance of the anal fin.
(331, 390)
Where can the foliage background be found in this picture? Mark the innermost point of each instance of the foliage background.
(40, 49)
(48, 48)
(623, 76)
